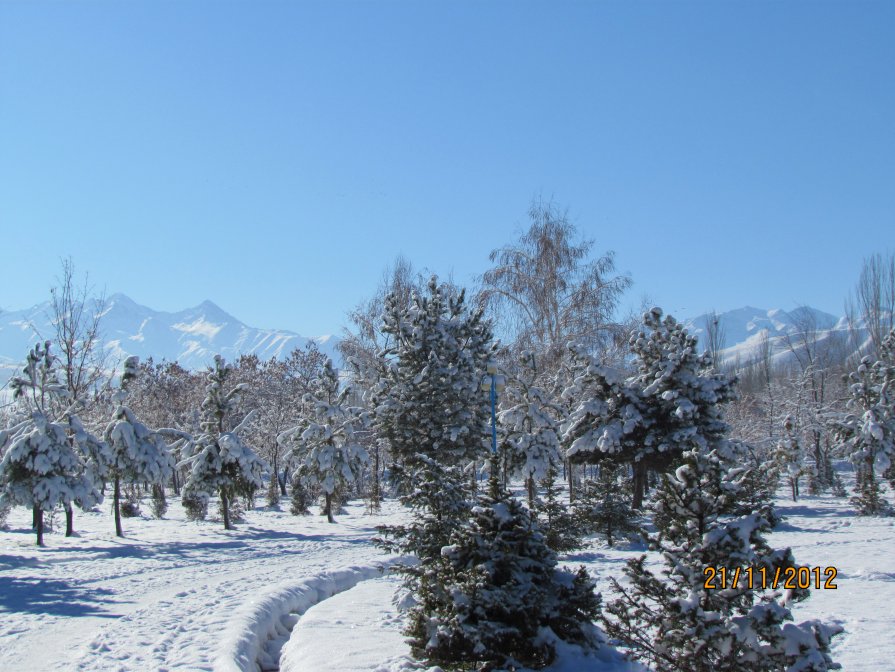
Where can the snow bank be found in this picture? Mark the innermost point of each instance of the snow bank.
(270, 615)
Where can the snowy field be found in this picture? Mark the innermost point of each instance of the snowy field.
(175, 595)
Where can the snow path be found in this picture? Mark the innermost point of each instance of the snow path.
(162, 598)
(360, 619)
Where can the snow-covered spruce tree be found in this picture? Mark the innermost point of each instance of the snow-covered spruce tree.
(791, 456)
(139, 455)
(529, 426)
(219, 461)
(501, 601)
(671, 404)
(40, 468)
(867, 433)
(603, 506)
(558, 525)
(329, 456)
(710, 612)
(429, 400)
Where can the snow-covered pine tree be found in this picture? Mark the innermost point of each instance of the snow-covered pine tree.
(440, 503)
(139, 455)
(96, 460)
(330, 457)
(602, 506)
(758, 484)
(528, 426)
(502, 602)
(429, 401)
(791, 456)
(671, 403)
(710, 612)
(558, 524)
(867, 433)
(301, 497)
(602, 411)
(219, 461)
(40, 469)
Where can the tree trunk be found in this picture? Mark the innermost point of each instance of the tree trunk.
(570, 472)
(69, 520)
(639, 482)
(117, 506)
(328, 507)
(531, 492)
(35, 513)
(283, 481)
(176, 483)
(376, 483)
(39, 519)
(225, 509)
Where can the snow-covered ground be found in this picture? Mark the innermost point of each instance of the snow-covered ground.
(175, 595)
(168, 596)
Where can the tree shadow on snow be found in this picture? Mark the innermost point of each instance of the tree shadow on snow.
(16, 561)
(234, 541)
(786, 510)
(590, 556)
(59, 598)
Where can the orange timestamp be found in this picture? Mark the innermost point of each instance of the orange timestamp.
(762, 578)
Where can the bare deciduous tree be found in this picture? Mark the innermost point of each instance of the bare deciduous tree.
(873, 300)
(76, 318)
(817, 350)
(715, 335)
(545, 290)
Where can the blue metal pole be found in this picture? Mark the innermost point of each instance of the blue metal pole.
(493, 416)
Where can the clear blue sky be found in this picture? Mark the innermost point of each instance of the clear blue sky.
(275, 156)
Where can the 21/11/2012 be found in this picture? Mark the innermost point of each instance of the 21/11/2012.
(788, 578)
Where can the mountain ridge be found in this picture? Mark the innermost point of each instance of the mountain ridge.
(191, 336)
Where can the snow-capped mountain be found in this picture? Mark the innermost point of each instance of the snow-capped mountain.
(742, 331)
(191, 337)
